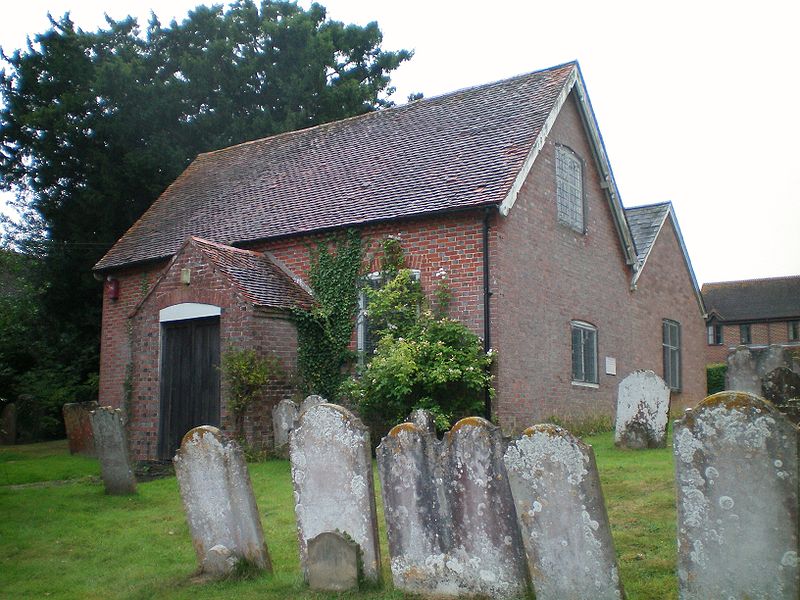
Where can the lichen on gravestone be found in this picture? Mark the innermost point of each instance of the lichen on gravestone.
(309, 402)
(562, 516)
(737, 494)
(218, 499)
(642, 411)
(333, 483)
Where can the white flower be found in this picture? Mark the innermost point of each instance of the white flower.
(441, 273)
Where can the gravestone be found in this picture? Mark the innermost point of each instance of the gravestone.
(333, 484)
(642, 411)
(111, 445)
(309, 402)
(780, 385)
(562, 516)
(79, 427)
(770, 358)
(219, 503)
(417, 523)
(332, 563)
(284, 417)
(741, 373)
(8, 425)
(736, 474)
(486, 553)
(423, 419)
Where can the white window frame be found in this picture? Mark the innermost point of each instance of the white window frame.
(672, 349)
(588, 333)
(713, 338)
(362, 322)
(570, 203)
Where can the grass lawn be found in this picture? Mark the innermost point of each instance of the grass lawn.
(62, 537)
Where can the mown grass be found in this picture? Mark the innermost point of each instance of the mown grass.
(72, 541)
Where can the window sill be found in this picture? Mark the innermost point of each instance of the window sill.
(586, 384)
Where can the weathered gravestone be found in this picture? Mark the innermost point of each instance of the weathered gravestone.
(736, 474)
(741, 373)
(111, 445)
(417, 521)
(310, 402)
(333, 486)
(8, 425)
(79, 427)
(219, 503)
(423, 419)
(486, 553)
(642, 411)
(332, 562)
(562, 516)
(780, 385)
(284, 417)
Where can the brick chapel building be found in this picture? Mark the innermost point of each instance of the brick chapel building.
(506, 186)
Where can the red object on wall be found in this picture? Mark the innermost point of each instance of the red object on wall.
(112, 288)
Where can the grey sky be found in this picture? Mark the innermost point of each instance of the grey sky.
(697, 101)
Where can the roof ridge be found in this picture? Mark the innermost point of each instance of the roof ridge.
(653, 204)
(753, 280)
(389, 109)
(208, 242)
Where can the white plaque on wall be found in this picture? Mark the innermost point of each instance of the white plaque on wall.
(611, 366)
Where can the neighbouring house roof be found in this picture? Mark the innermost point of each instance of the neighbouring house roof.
(260, 278)
(645, 223)
(776, 298)
(466, 149)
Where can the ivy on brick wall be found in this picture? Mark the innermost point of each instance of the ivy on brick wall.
(324, 331)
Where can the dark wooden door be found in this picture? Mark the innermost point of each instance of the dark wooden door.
(189, 380)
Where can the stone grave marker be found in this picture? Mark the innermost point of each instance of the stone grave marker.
(8, 425)
(333, 485)
(486, 553)
(770, 358)
(111, 445)
(79, 427)
(417, 522)
(284, 417)
(736, 474)
(780, 385)
(642, 411)
(310, 401)
(423, 419)
(332, 562)
(219, 503)
(741, 373)
(562, 516)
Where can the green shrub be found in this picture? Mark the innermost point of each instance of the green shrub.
(247, 374)
(715, 377)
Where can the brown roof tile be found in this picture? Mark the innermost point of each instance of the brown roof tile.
(754, 299)
(455, 151)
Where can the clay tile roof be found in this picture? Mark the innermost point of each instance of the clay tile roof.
(754, 299)
(258, 277)
(455, 151)
(645, 222)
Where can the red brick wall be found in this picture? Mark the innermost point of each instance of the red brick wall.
(776, 332)
(546, 275)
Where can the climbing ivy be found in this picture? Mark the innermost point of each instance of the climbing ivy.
(324, 331)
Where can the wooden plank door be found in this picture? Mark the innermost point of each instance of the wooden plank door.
(190, 380)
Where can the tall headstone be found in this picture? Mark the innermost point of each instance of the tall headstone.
(736, 474)
(8, 425)
(562, 516)
(742, 372)
(486, 552)
(284, 417)
(79, 427)
(332, 563)
(333, 483)
(642, 411)
(310, 402)
(780, 385)
(770, 358)
(111, 445)
(417, 521)
(219, 503)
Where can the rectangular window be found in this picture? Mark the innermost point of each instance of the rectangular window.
(671, 343)
(745, 334)
(794, 331)
(584, 352)
(365, 341)
(569, 189)
(715, 335)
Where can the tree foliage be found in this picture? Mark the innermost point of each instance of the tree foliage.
(95, 124)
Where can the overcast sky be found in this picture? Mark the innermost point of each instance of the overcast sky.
(697, 101)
